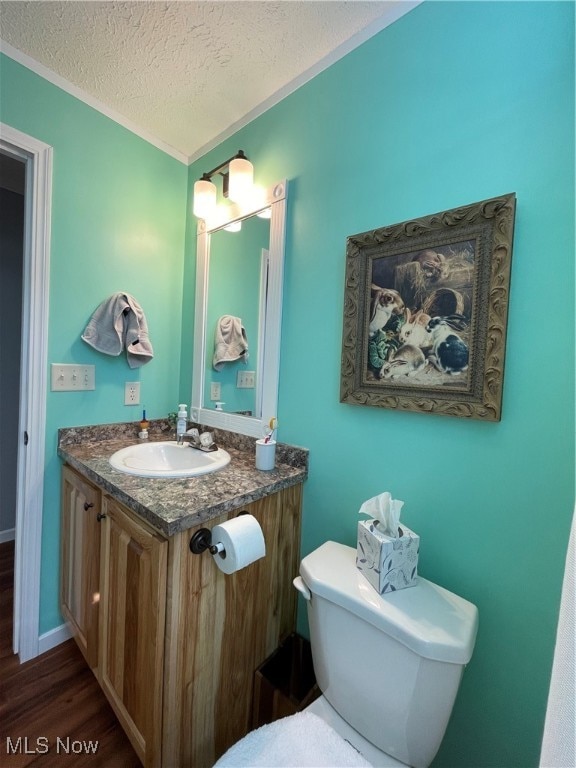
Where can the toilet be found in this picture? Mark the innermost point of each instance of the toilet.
(388, 666)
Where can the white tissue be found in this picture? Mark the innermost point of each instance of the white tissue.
(386, 511)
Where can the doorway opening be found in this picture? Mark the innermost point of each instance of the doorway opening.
(12, 179)
(35, 158)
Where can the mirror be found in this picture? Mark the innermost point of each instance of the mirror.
(238, 271)
(239, 302)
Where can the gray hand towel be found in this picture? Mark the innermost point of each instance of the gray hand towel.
(119, 322)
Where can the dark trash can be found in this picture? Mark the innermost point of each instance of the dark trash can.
(285, 683)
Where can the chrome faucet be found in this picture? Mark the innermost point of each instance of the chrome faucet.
(192, 436)
(204, 441)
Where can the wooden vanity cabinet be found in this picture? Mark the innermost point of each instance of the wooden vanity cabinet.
(178, 641)
(80, 561)
(113, 594)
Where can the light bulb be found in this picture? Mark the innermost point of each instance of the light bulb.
(204, 198)
(241, 179)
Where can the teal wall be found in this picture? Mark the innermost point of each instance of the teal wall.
(454, 103)
(118, 224)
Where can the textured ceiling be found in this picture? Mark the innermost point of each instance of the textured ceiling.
(187, 72)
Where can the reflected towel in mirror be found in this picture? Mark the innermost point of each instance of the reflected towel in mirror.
(230, 342)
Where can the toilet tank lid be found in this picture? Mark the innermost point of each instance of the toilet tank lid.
(428, 619)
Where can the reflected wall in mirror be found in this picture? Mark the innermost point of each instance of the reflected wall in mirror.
(239, 274)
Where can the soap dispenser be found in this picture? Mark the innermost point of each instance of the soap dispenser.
(182, 423)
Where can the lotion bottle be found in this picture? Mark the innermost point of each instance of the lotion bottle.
(182, 423)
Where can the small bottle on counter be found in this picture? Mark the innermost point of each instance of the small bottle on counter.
(144, 424)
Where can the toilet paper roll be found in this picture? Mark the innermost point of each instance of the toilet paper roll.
(243, 542)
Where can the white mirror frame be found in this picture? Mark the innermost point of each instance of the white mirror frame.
(269, 342)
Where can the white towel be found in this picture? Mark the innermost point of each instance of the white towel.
(119, 322)
(230, 342)
(299, 741)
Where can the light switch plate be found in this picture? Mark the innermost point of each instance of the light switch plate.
(69, 377)
(246, 380)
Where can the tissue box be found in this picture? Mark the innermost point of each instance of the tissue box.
(388, 564)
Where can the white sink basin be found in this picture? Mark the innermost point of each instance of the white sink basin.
(167, 459)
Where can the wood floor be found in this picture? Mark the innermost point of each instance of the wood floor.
(52, 711)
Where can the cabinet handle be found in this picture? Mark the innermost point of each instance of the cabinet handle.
(100, 516)
(87, 506)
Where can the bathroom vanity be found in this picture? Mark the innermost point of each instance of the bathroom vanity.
(173, 642)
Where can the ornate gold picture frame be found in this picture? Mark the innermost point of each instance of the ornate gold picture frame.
(425, 312)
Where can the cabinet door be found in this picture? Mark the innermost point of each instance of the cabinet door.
(80, 561)
(132, 614)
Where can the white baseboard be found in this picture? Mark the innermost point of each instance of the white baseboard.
(8, 535)
(54, 637)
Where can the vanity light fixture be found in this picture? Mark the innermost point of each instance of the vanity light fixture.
(237, 180)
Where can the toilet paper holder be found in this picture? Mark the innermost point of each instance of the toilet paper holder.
(202, 541)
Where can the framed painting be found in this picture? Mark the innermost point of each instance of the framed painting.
(425, 312)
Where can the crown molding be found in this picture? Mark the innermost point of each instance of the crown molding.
(86, 98)
(396, 11)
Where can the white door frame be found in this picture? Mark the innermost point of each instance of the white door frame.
(33, 385)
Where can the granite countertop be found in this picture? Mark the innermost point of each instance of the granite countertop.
(176, 504)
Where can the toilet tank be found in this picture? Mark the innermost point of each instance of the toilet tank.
(391, 664)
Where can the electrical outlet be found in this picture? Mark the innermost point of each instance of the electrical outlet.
(246, 380)
(132, 393)
(215, 390)
(69, 377)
